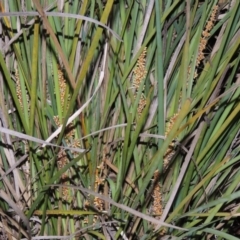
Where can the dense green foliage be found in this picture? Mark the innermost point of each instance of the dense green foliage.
(119, 119)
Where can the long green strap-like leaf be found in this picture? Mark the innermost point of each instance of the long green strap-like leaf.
(160, 78)
(34, 76)
(154, 165)
(54, 179)
(13, 92)
(218, 134)
(219, 53)
(76, 39)
(54, 38)
(190, 194)
(221, 234)
(86, 64)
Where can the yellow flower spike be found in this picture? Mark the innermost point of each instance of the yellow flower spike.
(139, 76)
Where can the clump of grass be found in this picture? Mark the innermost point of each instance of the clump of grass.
(163, 153)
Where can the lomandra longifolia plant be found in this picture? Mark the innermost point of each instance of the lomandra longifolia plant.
(119, 119)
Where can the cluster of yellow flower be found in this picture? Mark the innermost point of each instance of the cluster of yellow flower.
(62, 160)
(139, 76)
(157, 196)
(204, 38)
(157, 207)
(69, 137)
(98, 202)
(170, 151)
(19, 90)
(62, 86)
